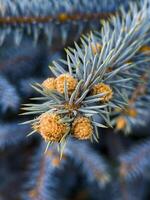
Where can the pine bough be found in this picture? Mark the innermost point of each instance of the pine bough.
(98, 78)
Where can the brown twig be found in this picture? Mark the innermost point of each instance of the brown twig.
(62, 18)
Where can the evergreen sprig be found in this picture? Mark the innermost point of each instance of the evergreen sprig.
(51, 18)
(93, 79)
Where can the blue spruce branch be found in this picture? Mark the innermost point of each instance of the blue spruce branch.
(94, 79)
(135, 162)
(51, 17)
(92, 164)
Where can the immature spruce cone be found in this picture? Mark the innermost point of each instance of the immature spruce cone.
(70, 81)
(49, 84)
(101, 88)
(82, 128)
(51, 128)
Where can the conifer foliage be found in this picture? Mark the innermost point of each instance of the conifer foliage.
(85, 108)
